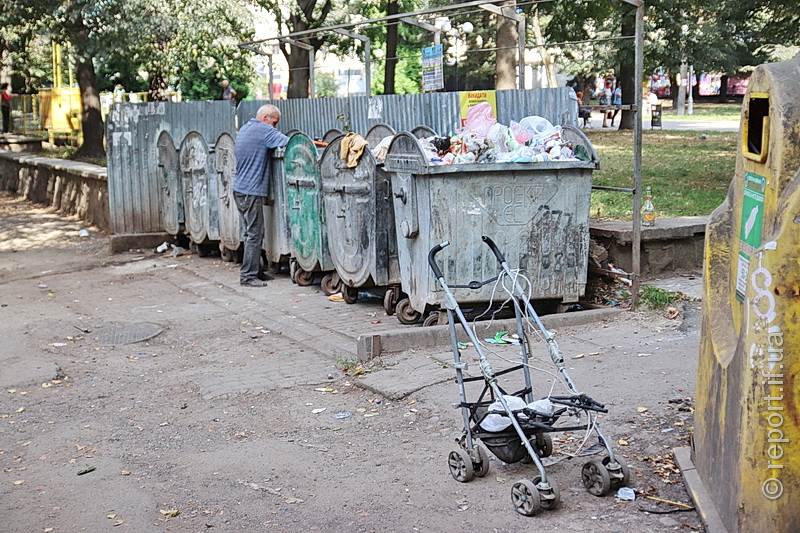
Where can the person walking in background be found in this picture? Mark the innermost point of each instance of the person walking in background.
(6, 95)
(605, 99)
(228, 92)
(617, 101)
(251, 186)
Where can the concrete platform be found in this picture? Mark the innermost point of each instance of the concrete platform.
(673, 246)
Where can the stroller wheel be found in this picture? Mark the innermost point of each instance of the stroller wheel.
(549, 493)
(482, 466)
(543, 445)
(460, 465)
(595, 478)
(618, 472)
(525, 498)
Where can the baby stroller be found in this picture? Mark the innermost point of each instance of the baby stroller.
(518, 427)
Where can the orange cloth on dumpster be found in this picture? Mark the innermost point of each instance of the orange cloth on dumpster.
(352, 147)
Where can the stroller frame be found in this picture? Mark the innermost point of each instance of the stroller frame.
(528, 436)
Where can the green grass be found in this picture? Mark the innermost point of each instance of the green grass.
(687, 175)
(704, 111)
(657, 299)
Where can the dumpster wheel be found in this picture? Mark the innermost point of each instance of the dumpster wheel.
(331, 283)
(390, 301)
(407, 314)
(349, 294)
(304, 278)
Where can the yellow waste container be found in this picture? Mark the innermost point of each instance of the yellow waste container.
(746, 445)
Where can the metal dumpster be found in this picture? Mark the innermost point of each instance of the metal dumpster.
(360, 221)
(304, 205)
(377, 133)
(277, 244)
(537, 212)
(331, 134)
(423, 132)
(201, 215)
(230, 232)
(170, 184)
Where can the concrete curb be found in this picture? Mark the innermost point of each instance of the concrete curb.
(374, 344)
(697, 490)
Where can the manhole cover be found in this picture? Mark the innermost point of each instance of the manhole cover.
(127, 333)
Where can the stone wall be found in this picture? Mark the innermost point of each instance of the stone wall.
(73, 188)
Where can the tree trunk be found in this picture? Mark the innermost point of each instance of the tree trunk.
(505, 69)
(547, 59)
(391, 50)
(299, 76)
(158, 88)
(723, 89)
(91, 119)
(681, 108)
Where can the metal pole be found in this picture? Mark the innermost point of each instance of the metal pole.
(521, 38)
(690, 108)
(367, 56)
(271, 79)
(637, 155)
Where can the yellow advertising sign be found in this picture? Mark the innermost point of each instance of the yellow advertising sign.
(471, 98)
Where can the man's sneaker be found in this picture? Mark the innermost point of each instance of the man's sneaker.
(252, 283)
(265, 276)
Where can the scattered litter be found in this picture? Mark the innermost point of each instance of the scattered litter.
(641, 409)
(502, 337)
(42, 285)
(83, 233)
(626, 493)
(343, 414)
(178, 251)
(336, 297)
(580, 356)
(318, 410)
(57, 344)
(87, 470)
(163, 247)
(170, 512)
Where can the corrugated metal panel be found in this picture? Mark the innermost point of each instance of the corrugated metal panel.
(440, 111)
(133, 173)
(133, 129)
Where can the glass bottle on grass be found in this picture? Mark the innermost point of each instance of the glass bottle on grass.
(648, 210)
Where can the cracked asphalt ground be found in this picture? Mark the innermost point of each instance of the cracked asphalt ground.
(249, 413)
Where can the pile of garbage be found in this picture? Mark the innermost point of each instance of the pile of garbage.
(484, 140)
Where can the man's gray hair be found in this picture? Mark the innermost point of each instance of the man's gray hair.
(268, 110)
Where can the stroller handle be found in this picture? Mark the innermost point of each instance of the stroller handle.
(495, 250)
(432, 258)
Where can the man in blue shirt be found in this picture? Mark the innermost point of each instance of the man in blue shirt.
(251, 185)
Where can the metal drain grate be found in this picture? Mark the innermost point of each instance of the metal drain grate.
(127, 333)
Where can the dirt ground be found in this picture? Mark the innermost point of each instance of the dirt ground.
(222, 423)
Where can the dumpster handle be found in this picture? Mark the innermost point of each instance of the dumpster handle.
(432, 258)
(495, 250)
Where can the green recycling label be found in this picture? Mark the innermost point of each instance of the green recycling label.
(751, 227)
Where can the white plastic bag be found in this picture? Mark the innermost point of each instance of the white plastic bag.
(536, 124)
(495, 422)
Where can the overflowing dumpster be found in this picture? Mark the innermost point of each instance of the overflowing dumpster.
(359, 219)
(310, 252)
(170, 184)
(230, 231)
(537, 211)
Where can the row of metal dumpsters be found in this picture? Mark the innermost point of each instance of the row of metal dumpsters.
(371, 226)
